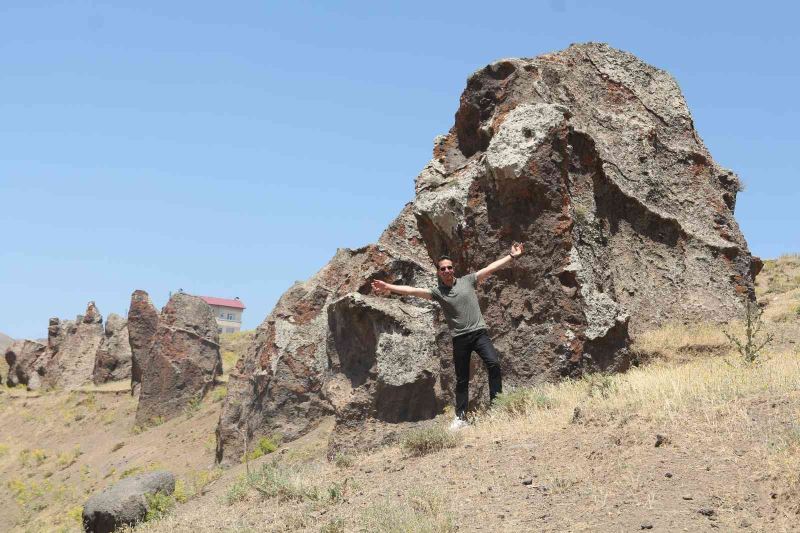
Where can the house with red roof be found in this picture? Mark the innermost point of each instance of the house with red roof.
(227, 312)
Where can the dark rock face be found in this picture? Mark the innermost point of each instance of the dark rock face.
(278, 385)
(589, 158)
(26, 364)
(183, 359)
(124, 503)
(73, 347)
(113, 359)
(142, 325)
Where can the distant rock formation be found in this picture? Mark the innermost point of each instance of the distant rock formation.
(183, 359)
(5, 342)
(73, 346)
(26, 363)
(142, 325)
(113, 359)
(78, 352)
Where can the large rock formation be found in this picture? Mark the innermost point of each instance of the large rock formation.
(113, 358)
(328, 346)
(73, 347)
(589, 158)
(26, 363)
(142, 325)
(183, 359)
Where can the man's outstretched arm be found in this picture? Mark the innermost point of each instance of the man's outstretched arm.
(381, 287)
(516, 251)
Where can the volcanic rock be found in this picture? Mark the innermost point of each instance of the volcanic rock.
(26, 361)
(278, 384)
(142, 325)
(73, 347)
(590, 159)
(125, 503)
(113, 359)
(183, 359)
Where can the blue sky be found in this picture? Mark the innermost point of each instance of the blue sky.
(229, 148)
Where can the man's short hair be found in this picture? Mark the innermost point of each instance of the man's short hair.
(442, 258)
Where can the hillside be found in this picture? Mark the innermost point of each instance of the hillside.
(692, 439)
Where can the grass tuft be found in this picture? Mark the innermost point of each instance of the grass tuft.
(428, 440)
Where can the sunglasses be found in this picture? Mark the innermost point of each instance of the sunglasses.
(445, 268)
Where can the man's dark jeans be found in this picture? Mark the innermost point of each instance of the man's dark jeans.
(463, 346)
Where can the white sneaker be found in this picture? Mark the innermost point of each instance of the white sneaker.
(458, 424)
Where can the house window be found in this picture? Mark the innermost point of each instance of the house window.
(222, 315)
(230, 316)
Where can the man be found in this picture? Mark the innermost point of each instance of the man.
(459, 302)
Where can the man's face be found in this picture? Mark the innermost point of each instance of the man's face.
(445, 272)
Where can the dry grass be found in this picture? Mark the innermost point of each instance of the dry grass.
(662, 391)
(233, 347)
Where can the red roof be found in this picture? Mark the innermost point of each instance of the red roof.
(223, 302)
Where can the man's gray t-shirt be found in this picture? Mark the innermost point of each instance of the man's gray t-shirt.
(460, 305)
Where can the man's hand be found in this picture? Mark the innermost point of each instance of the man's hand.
(380, 287)
(516, 250)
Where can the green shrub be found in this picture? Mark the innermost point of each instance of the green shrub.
(264, 446)
(599, 385)
(419, 512)
(67, 459)
(193, 406)
(521, 401)
(35, 457)
(272, 480)
(428, 440)
(158, 505)
(343, 460)
(218, 394)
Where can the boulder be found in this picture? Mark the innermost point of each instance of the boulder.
(183, 360)
(590, 159)
(113, 358)
(142, 325)
(124, 503)
(278, 385)
(26, 361)
(73, 347)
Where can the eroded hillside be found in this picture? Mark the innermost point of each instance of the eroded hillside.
(691, 439)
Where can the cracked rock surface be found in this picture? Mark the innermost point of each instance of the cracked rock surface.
(587, 156)
(182, 362)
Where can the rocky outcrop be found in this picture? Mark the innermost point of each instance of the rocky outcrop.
(142, 325)
(125, 503)
(26, 363)
(113, 358)
(586, 156)
(73, 347)
(183, 360)
(293, 373)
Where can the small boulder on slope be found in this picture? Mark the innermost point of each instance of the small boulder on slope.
(125, 503)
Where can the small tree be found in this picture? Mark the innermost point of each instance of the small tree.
(754, 341)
